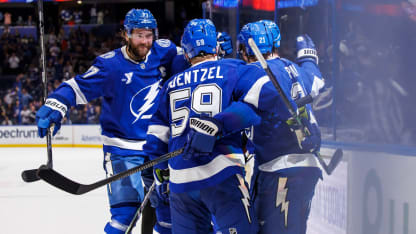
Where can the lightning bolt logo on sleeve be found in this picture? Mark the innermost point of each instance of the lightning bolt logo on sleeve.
(281, 197)
(153, 91)
(246, 196)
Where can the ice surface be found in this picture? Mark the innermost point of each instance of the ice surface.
(38, 207)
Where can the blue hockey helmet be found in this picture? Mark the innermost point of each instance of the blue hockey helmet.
(199, 36)
(273, 30)
(139, 18)
(258, 32)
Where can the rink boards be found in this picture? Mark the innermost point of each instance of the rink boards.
(371, 191)
(67, 136)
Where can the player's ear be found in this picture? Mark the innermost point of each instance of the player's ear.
(244, 55)
(124, 35)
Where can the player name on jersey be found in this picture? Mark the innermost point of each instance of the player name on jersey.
(197, 75)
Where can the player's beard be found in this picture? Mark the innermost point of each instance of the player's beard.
(139, 51)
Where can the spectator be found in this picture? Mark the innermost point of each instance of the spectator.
(29, 21)
(100, 17)
(19, 20)
(66, 16)
(66, 55)
(78, 17)
(51, 38)
(10, 97)
(14, 62)
(26, 97)
(75, 115)
(6, 121)
(16, 112)
(25, 115)
(32, 116)
(54, 51)
(7, 19)
(93, 15)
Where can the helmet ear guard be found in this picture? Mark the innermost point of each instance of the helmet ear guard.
(140, 18)
(199, 38)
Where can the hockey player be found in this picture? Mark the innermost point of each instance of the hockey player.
(196, 110)
(128, 81)
(287, 170)
(306, 52)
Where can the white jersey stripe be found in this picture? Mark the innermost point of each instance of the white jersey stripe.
(206, 171)
(253, 94)
(79, 95)
(318, 83)
(159, 131)
(123, 143)
(117, 225)
(288, 161)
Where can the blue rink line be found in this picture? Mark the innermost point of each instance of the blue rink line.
(381, 148)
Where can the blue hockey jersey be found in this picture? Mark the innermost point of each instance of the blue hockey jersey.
(129, 91)
(273, 137)
(208, 87)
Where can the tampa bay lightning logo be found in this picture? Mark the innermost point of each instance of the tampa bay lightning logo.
(143, 101)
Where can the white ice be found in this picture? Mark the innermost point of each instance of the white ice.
(38, 207)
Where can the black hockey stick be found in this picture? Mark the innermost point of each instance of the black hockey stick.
(31, 175)
(141, 208)
(55, 179)
(337, 157)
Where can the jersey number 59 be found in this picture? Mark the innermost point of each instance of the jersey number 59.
(206, 98)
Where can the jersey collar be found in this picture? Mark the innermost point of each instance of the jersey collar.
(207, 60)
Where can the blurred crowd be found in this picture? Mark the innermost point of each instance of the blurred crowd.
(66, 56)
(373, 69)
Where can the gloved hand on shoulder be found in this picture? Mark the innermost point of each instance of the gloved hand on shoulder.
(201, 137)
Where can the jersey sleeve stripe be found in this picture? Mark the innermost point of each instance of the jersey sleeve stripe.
(252, 96)
(159, 131)
(80, 97)
(123, 143)
(317, 84)
(219, 163)
(289, 161)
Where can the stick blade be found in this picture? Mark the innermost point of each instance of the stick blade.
(55, 179)
(335, 160)
(29, 176)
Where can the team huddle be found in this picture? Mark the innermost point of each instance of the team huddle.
(158, 98)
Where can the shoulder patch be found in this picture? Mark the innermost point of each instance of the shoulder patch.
(163, 42)
(179, 50)
(108, 55)
(91, 71)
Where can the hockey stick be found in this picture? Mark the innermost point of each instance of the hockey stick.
(55, 179)
(336, 158)
(31, 175)
(141, 208)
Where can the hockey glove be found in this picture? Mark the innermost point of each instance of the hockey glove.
(306, 50)
(308, 134)
(225, 44)
(202, 136)
(51, 113)
(161, 192)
